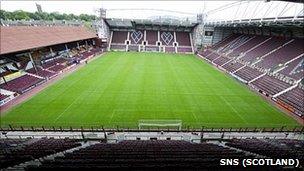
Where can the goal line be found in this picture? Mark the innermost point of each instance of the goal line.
(154, 124)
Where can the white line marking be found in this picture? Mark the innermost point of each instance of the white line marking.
(112, 115)
(67, 108)
(235, 111)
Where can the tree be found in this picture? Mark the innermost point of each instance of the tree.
(23, 15)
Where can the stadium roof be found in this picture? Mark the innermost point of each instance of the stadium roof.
(20, 38)
(297, 1)
(163, 22)
(269, 22)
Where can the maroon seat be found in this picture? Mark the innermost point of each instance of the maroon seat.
(247, 73)
(133, 47)
(151, 37)
(221, 60)
(294, 98)
(270, 85)
(3, 96)
(142, 155)
(283, 55)
(184, 49)
(264, 48)
(170, 49)
(18, 151)
(119, 37)
(183, 39)
(57, 68)
(21, 84)
(53, 62)
(225, 41)
(248, 45)
(41, 72)
(212, 56)
(205, 52)
(294, 69)
(118, 47)
(232, 66)
(273, 148)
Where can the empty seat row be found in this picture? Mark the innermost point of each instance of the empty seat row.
(20, 151)
(21, 84)
(159, 154)
(247, 73)
(270, 85)
(294, 98)
(41, 72)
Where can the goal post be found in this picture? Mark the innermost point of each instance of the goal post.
(145, 124)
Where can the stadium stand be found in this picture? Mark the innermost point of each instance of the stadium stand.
(264, 49)
(271, 148)
(41, 72)
(294, 69)
(234, 44)
(133, 47)
(137, 37)
(58, 50)
(14, 152)
(232, 66)
(225, 41)
(270, 85)
(293, 100)
(148, 39)
(166, 38)
(119, 37)
(72, 154)
(57, 68)
(53, 62)
(3, 96)
(170, 49)
(118, 47)
(212, 56)
(184, 49)
(221, 60)
(248, 45)
(286, 53)
(142, 155)
(272, 65)
(247, 73)
(151, 37)
(205, 53)
(22, 84)
(183, 39)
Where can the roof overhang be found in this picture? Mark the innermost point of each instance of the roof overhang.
(121, 24)
(263, 22)
(22, 38)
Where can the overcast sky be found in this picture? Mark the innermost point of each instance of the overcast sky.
(254, 9)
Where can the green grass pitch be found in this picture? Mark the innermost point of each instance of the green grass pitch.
(121, 88)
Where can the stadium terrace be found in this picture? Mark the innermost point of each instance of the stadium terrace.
(159, 93)
(146, 35)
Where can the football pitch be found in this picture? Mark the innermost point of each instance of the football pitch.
(121, 88)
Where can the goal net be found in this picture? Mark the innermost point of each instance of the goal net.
(159, 124)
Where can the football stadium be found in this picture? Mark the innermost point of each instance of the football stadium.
(198, 85)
